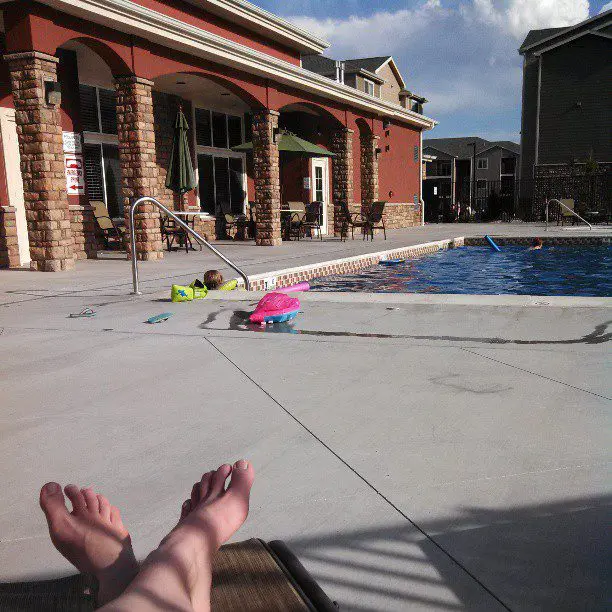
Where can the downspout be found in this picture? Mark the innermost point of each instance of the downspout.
(421, 177)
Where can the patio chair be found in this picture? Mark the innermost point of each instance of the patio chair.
(375, 219)
(292, 217)
(238, 223)
(564, 213)
(171, 231)
(112, 234)
(250, 576)
(352, 220)
(312, 220)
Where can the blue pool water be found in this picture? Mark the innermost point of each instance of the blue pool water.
(553, 270)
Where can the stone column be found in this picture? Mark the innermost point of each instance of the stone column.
(41, 150)
(342, 176)
(266, 173)
(369, 170)
(139, 172)
(9, 245)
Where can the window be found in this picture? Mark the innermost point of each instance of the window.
(98, 109)
(103, 176)
(221, 172)
(482, 163)
(368, 86)
(508, 165)
(439, 167)
(416, 106)
(481, 188)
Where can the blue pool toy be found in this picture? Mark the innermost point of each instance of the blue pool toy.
(391, 262)
(492, 243)
(164, 316)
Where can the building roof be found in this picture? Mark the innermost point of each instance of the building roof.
(371, 64)
(461, 147)
(540, 40)
(327, 66)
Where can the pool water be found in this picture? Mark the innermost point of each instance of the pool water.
(552, 270)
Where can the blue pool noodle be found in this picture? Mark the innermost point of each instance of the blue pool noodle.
(492, 243)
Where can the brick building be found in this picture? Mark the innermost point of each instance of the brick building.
(89, 92)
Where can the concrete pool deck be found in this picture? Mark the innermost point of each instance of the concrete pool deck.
(417, 452)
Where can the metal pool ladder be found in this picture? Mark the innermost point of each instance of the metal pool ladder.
(182, 224)
(561, 204)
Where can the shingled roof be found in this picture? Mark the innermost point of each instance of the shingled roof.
(461, 148)
(327, 66)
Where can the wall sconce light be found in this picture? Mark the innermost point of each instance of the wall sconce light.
(275, 135)
(391, 194)
(53, 93)
(387, 147)
(378, 151)
(386, 123)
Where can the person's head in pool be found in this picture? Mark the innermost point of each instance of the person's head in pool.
(536, 244)
(213, 279)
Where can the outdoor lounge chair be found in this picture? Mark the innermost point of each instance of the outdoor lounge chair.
(250, 576)
(375, 219)
(112, 234)
(292, 218)
(352, 220)
(565, 214)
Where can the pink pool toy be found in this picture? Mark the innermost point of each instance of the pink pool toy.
(275, 308)
(303, 286)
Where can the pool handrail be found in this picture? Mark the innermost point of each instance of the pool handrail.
(135, 204)
(561, 204)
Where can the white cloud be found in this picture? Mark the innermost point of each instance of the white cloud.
(461, 55)
(606, 7)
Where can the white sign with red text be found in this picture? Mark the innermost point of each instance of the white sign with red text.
(75, 173)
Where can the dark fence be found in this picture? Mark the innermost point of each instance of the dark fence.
(507, 199)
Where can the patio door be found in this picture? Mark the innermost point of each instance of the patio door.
(320, 187)
(13, 180)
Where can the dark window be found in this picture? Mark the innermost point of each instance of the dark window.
(219, 130)
(206, 185)
(236, 185)
(248, 127)
(234, 130)
(112, 177)
(222, 188)
(108, 111)
(92, 155)
(508, 165)
(203, 137)
(89, 108)
(481, 188)
(439, 167)
(482, 163)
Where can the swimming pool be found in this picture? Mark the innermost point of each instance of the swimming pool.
(553, 270)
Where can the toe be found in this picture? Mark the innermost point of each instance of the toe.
(52, 502)
(76, 498)
(243, 476)
(185, 508)
(217, 481)
(105, 508)
(195, 494)
(91, 499)
(115, 516)
(205, 485)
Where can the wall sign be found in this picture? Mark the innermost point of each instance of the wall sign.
(72, 142)
(75, 174)
(307, 183)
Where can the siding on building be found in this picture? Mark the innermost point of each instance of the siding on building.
(576, 102)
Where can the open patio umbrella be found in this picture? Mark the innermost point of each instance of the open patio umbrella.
(290, 143)
(180, 177)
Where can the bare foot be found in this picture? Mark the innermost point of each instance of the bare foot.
(92, 537)
(178, 574)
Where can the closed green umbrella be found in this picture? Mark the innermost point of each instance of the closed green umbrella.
(290, 143)
(180, 177)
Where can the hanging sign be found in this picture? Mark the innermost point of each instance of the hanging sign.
(75, 174)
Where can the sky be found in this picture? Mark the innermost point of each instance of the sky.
(460, 54)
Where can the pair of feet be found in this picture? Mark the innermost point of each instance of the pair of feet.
(179, 572)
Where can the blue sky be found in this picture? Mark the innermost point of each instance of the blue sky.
(460, 54)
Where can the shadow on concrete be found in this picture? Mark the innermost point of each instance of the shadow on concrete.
(552, 556)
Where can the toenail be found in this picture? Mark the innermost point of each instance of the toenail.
(241, 465)
(52, 488)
